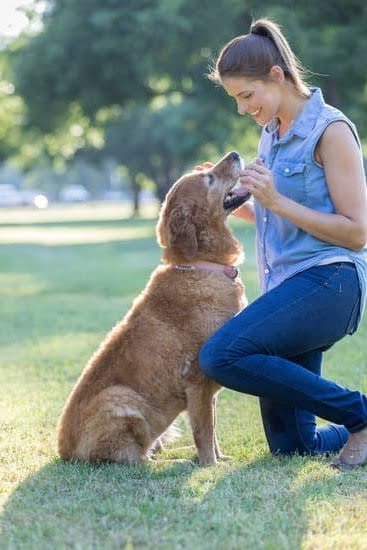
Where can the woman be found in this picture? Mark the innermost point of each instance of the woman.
(310, 210)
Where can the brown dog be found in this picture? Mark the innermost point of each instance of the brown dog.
(145, 372)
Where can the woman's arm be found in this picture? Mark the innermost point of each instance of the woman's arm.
(339, 153)
(245, 212)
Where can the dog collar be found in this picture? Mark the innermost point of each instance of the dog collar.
(230, 271)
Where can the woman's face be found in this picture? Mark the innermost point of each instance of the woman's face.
(259, 98)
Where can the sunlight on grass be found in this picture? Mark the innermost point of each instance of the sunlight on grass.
(337, 524)
(202, 481)
(57, 304)
(20, 284)
(76, 212)
(60, 236)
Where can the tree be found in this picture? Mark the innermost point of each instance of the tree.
(99, 55)
(135, 69)
(164, 141)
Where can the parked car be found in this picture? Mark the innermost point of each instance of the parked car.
(10, 195)
(74, 193)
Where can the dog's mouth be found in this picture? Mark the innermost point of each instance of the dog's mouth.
(235, 198)
(228, 170)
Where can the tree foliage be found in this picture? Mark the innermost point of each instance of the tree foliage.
(112, 53)
(134, 70)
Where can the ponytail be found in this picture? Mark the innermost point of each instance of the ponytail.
(254, 54)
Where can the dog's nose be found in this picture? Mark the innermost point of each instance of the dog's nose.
(234, 156)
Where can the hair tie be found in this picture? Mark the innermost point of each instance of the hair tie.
(260, 31)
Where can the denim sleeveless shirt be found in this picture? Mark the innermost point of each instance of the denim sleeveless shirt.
(283, 249)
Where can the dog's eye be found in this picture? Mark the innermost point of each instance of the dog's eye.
(209, 179)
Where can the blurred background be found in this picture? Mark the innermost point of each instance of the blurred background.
(108, 101)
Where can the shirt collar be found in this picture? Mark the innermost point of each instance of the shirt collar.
(305, 121)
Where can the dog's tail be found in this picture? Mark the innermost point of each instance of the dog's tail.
(112, 428)
(172, 433)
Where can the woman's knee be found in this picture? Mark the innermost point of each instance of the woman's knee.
(210, 358)
(222, 350)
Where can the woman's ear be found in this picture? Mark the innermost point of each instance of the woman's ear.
(277, 74)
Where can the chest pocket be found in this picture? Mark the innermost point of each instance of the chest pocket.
(290, 180)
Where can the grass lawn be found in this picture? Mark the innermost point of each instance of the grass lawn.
(66, 276)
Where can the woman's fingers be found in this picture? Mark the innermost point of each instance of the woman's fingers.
(249, 179)
(257, 166)
(252, 186)
(205, 166)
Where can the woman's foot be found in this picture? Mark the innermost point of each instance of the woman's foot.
(354, 452)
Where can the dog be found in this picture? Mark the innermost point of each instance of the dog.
(146, 371)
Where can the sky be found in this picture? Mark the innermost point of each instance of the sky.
(12, 20)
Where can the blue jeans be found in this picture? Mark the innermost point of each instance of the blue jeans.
(273, 349)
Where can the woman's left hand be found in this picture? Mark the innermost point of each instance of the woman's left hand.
(257, 179)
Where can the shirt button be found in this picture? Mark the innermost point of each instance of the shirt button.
(265, 219)
(286, 170)
(266, 271)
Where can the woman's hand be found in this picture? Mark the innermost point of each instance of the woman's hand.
(258, 180)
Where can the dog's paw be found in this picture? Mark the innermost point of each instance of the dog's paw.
(208, 462)
(224, 458)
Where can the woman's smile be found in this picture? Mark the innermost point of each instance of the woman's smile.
(255, 113)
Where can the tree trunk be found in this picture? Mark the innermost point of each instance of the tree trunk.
(135, 187)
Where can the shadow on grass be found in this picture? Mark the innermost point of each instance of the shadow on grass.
(89, 498)
(269, 503)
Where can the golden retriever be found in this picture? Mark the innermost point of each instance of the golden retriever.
(145, 372)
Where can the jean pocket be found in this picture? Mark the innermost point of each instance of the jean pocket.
(354, 316)
(322, 275)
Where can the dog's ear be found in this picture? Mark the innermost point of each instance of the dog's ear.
(161, 225)
(182, 232)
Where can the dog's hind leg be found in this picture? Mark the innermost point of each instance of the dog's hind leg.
(113, 428)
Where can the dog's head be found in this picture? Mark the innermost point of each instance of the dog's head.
(192, 225)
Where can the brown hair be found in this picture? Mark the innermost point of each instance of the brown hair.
(254, 54)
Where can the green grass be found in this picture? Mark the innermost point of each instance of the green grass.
(66, 276)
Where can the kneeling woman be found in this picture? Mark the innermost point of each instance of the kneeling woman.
(310, 212)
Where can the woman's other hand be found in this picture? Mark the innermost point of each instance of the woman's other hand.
(205, 166)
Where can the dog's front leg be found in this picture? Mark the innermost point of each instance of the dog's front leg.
(201, 413)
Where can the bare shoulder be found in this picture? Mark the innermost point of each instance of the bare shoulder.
(337, 143)
(342, 161)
